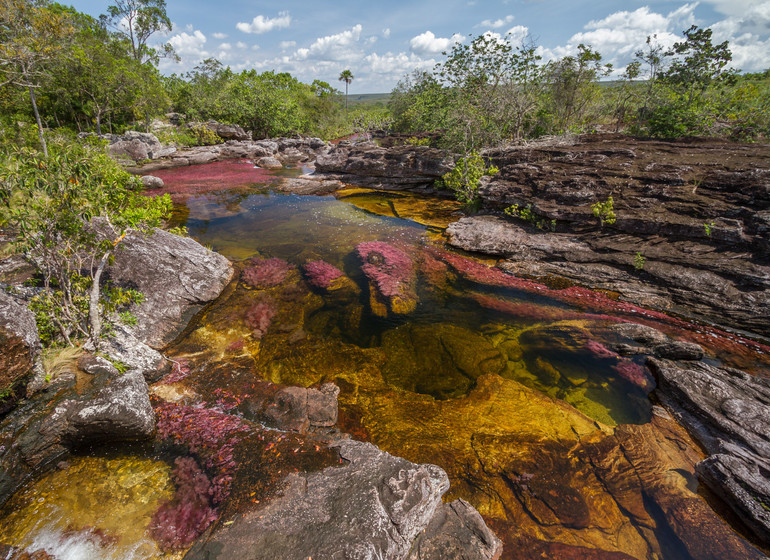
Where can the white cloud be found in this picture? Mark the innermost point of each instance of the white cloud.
(186, 44)
(219, 36)
(225, 46)
(495, 24)
(262, 24)
(288, 44)
(518, 33)
(428, 43)
(386, 33)
(241, 45)
(339, 47)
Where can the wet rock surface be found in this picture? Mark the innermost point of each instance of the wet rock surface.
(728, 411)
(695, 211)
(71, 411)
(374, 506)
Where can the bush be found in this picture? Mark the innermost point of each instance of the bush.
(465, 177)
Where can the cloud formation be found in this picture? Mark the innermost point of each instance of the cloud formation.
(496, 24)
(262, 24)
(428, 43)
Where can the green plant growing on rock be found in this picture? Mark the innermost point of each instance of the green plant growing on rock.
(639, 261)
(526, 214)
(708, 227)
(465, 178)
(604, 211)
(71, 211)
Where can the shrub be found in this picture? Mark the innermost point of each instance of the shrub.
(465, 178)
(604, 211)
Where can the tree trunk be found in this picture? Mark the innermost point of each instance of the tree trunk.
(94, 315)
(37, 119)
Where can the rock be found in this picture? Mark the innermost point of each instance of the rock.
(292, 155)
(123, 346)
(456, 531)
(177, 275)
(374, 506)
(678, 350)
(152, 182)
(308, 186)
(728, 411)
(269, 162)
(119, 412)
(138, 146)
(298, 408)
(20, 349)
(401, 167)
(228, 131)
(97, 365)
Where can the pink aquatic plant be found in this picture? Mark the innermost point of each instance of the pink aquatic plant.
(599, 350)
(266, 273)
(178, 522)
(179, 371)
(259, 316)
(389, 268)
(636, 374)
(321, 274)
(209, 434)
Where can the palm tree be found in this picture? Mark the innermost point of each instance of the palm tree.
(347, 77)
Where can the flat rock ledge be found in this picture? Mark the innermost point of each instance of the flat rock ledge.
(720, 287)
(376, 506)
(728, 412)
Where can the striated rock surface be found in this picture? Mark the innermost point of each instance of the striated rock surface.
(728, 411)
(374, 506)
(695, 211)
(401, 167)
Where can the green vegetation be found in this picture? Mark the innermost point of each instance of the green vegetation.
(465, 177)
(526, 214)
(71, 210)
(639, 261)
(605, 211)
(708, 227)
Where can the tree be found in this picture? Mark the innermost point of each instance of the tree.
(573, 86)
(347, 77)
(698, 64)
(30, 37)
(72, 211)
(138, 20)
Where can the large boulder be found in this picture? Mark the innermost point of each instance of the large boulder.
(374, 506)
(177, 276)
(19, 346)
(138, 146)
(228, 131)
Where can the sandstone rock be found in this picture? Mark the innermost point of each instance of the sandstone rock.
(228, 131)
(298, 408)
(119, 412)
(308, 186)
(456, 531)
(138, 146)
(20, 348)
(269, 162)
(292, 155)
(678, 350)
(152, 182)
(97, 365)
(123, 346)
(177, 275)
(374, 506)
(728, 411)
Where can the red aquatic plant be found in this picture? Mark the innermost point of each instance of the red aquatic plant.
(236, 345)
(321, 274)
(259, 316)
(209, 434)
(636, 374)
(178, 522)
(179, 371)
(599, 350)
(385, 265)
(266, 273)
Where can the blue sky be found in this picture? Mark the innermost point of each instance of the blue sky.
(382, 41)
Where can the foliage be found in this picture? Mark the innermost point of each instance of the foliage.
(604, 211)
(71, 211)
(639, 261)
(137, 21)
(465, 177)
(709, 227)
(415, 141)
(526, 214)
(347, 77)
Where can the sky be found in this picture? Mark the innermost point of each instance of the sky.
(381, 42)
